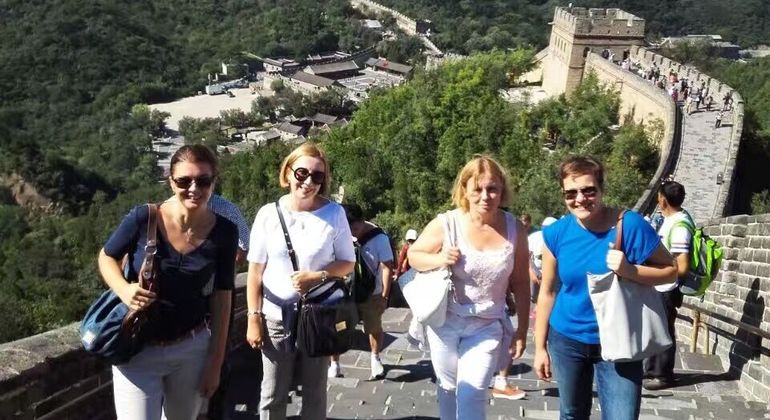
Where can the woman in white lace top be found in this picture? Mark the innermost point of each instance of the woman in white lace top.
(488, 260)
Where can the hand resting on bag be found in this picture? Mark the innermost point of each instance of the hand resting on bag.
(135, 297)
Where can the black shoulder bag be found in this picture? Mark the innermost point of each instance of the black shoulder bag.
(327, 313)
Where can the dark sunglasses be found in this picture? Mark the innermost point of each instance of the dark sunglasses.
(301, 174)
(588, 192)
(185, 182)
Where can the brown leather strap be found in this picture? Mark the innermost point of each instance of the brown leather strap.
(619, 231)
(147, 272)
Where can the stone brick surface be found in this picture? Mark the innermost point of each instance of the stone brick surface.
(703, 389)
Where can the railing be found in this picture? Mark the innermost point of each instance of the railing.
(697, 324)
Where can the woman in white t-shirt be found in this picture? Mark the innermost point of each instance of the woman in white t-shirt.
(322, 243)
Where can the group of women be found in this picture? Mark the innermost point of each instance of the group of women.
(484, 245)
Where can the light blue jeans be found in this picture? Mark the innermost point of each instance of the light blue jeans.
(574, 364)
(464, 352)
(161, 382)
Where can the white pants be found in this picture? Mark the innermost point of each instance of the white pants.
(162, 381)
(464, 352)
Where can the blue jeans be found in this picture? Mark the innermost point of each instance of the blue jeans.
(574, 363)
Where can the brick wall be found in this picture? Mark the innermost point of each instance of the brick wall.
(741, 292)
(49, 376)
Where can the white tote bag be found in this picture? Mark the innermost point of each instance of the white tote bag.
(426, 292)
(631, 316)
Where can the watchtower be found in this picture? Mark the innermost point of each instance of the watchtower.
(575, 31)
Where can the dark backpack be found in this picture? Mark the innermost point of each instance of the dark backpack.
(364, 281)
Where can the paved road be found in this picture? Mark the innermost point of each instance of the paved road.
(703, 155)
(408, 391)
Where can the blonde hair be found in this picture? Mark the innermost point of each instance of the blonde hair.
(305, 149)
(479, 165)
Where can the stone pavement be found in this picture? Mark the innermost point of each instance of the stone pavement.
(703, 155)
(408, 391)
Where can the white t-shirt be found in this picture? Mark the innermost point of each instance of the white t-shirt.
(318, 238)
(377, 250)
(536, 244)
(680, 240)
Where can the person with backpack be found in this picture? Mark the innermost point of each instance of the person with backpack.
(371, 284)
(676, 235)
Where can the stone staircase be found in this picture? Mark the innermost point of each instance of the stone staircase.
(408, 391)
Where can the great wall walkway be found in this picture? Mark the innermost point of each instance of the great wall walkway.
(704, 149)
(702, 390)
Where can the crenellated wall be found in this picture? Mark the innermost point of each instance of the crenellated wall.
(740, 293)
(717, 90)
(49, 376)
(646, 104)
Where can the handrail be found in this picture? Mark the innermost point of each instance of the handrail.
(742, 325)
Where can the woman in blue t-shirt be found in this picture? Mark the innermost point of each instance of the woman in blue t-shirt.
(189, 300)
(566, 331)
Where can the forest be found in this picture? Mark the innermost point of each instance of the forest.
(75, 135)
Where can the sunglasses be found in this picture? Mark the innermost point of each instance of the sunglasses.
(588, 192)
(301, 174)
(185, 182)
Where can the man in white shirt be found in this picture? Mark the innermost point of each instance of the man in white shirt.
(536, 245)
(377, 256)
(676, 235)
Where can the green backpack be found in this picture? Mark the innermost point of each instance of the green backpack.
(705, 259)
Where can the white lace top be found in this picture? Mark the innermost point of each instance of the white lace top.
(480, 277)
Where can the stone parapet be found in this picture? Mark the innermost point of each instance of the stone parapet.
(50, 376)
(645, 103)
(740, 294)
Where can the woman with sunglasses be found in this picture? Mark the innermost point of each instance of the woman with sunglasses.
(486, 248)
(189, 301)
(566, 331)
(323, 247)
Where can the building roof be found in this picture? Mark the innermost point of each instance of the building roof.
(389, 65)
(332, 67)
(280, 62)
(323, 118)
(288, 127)
(312, 79)
(372, 24)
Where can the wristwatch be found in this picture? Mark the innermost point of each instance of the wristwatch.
(324, 276)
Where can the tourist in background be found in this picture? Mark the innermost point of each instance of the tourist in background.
(566, 330)
(180, 364)
(403, 261)
(376, 257)
(488, 259)
(323, 247)
(676, 237)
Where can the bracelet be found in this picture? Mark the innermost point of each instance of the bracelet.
(251, 312)
(324, 276)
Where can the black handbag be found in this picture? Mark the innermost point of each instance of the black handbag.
(110, 329)
(328, 315)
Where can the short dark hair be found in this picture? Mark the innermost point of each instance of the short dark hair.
(673, 192)
(195, 153)
(353, 213)
(582, 165)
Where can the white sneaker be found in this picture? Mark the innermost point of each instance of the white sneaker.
(334, 370)
(378, 371)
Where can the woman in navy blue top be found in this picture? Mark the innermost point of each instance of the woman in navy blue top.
(566, 331)
(181, 361)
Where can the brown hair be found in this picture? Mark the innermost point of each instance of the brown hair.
(306, 149)
(582, 165)
(195, 153)
(479, 165)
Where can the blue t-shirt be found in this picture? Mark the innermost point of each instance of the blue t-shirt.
(579, 251)
(184, 281)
